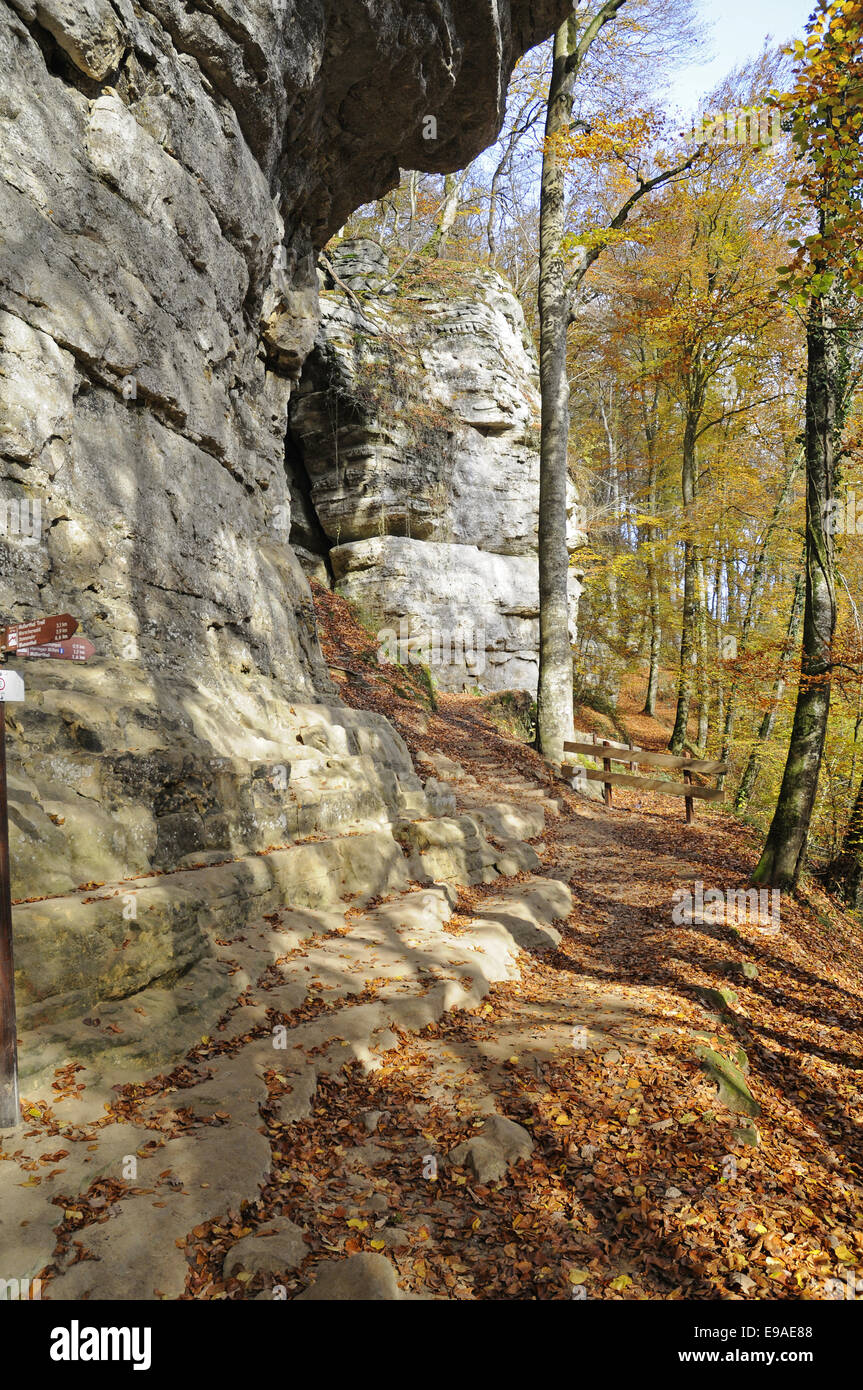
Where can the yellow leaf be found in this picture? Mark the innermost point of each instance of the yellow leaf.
(475, 1224)
(639, 1190)
(622, 1281)
(357, 1224)
(423, 1233)
(378, 1244)
(563, 1120)
(579, 1276)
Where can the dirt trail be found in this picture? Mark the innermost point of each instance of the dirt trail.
(642, 1181)
(619, 1105)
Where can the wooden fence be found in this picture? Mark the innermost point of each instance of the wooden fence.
(608, 753)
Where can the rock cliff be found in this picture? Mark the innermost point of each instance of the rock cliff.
(416, 463)
(169, 171)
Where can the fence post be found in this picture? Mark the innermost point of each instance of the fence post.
(606, 763)
(690, 801)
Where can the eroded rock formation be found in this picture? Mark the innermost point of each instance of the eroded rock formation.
(168, 172)
(416, 464)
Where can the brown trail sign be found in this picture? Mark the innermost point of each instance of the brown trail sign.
(614, 752)
(78, 649)
(47, 637)
(20, 636)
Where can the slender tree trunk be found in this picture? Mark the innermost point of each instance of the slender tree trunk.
(614, 489)
(689, 636)
(452, 184)
(555, 700)
(753, 604)
(651, 430)
(703, 681)
(768, 722)
(785, 847)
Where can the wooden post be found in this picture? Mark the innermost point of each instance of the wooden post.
(10, 1114)
(690, 801)
(606, 763)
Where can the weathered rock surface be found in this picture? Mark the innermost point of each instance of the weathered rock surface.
(368, 1278)
(732, 1087)
(269, 1251)
(416, 433)
(167, 174)
(490, 1153)
(408, 969)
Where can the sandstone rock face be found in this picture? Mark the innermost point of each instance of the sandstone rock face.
(416, 465)
(168, 174)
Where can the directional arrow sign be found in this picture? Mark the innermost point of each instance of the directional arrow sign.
(39, 632)
(78, 649)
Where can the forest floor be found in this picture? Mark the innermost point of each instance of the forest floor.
(633, 1174)
(641, 1182)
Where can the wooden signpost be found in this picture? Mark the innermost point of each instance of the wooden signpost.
(11, 688)
(609, 752)
(46, 637)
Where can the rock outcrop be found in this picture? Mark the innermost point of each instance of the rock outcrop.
(168, 174)
(416, 465)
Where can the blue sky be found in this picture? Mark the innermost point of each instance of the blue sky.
(737, 29)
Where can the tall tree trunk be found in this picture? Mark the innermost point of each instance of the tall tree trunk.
(768, 722)
(614, 490)
(689, 636)
(555, 699)
(655, 641)
(785, 847)
(753, 604)
(651, 429)
(452, 186)
(703, 680)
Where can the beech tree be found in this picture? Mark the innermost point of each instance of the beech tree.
(824, 109)
(558, 288)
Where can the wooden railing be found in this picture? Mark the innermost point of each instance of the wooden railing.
(610, 753)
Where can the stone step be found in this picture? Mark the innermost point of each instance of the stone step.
(117, 939)
(224, 1158)
(154, 959)
(506, 821)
